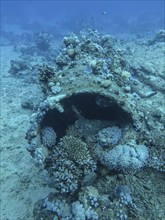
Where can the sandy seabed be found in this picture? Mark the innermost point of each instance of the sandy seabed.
(21, 182)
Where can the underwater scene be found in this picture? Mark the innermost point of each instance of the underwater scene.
(82, 110)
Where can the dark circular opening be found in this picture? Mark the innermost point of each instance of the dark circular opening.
(90, 106)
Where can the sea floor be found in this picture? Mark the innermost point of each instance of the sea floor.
(21, 184)
(21, 181)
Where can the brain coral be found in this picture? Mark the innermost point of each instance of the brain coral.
(129, 157)
(48, 137)
(109, 136)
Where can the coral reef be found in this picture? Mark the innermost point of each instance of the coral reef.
(64, 175)
(43, 41)
(130, 157)
(109, 136)
(18, 66)
(78, 152)
(70, 165)
(78, 211)
(104, 112)
(48, 137)
(124, 193)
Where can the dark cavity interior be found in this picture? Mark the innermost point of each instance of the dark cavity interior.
(87, 107)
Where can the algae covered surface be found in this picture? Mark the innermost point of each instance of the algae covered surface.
(82, 125)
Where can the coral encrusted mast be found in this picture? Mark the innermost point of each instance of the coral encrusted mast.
(92, 134)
